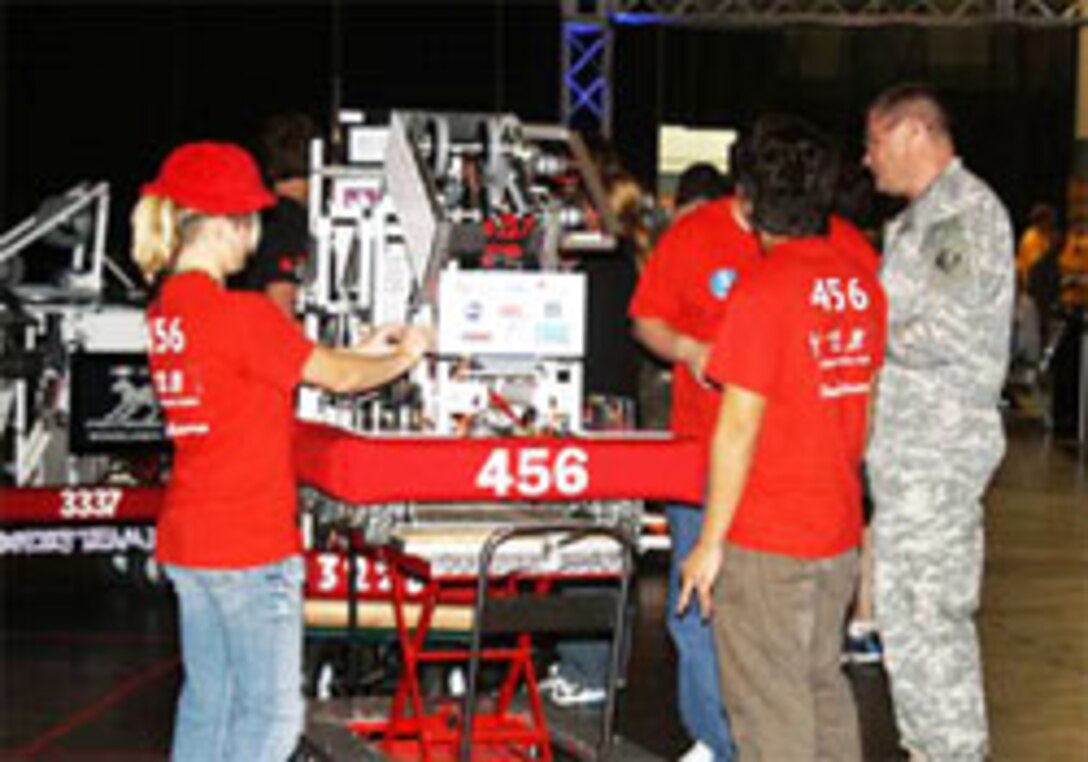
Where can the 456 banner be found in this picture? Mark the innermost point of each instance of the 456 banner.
(426, 469)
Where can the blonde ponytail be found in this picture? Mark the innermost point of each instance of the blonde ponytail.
(155, 235)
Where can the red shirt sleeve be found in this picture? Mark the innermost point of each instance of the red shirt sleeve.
(852, 242)
(274, 348)
(747, 348)
(657, 294)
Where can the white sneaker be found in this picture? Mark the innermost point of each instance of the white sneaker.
(456, 682)
(699, 752)
(120, 563)
(549, 682)
(566, 693)
(323, 687)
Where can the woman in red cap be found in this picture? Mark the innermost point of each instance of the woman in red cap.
(225, 365)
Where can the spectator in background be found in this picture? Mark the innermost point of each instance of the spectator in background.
(611, 382)
(1067, 392)
(1073, 264)
(1037, 239)
(698, 183)
(629, 203)
(1036, 258)
(284, 246)
(1043, 283)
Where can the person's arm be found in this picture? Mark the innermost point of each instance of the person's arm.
(385, 355)
(671, 345)
(282, 293)
(732, 448)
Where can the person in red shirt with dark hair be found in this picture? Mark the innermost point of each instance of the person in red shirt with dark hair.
(680, 298)
(682, 294)
(225, 366)
(776, 561)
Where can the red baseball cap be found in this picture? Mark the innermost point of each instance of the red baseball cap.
(214, 178)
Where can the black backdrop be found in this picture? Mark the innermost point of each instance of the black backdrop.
(1010, 89)
(102, 91)
(93, 91)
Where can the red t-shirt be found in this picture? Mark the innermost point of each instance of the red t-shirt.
(853, 243)
(686, 283)
(225, 366)
(805, 330)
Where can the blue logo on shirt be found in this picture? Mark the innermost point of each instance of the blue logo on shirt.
(721, 282)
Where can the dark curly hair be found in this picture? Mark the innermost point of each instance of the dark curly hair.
(285, 145)
(699, 181)
(788, 171)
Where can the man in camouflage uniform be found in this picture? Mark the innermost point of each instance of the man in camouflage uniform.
(937, 433)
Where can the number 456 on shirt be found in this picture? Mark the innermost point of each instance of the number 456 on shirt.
(167, 335)
(832, 295)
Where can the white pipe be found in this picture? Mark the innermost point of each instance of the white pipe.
(98, 253)
(33, 229)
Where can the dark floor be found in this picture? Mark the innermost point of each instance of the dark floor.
(89, 666)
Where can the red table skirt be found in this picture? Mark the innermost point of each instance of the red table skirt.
(382, 469)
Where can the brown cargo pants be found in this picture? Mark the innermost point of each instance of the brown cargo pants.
(778, 626)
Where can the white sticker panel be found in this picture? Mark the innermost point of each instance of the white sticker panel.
(518, 313)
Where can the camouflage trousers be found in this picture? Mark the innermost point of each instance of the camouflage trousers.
(928, 553)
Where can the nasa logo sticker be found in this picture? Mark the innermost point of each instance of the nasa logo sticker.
(721, 282)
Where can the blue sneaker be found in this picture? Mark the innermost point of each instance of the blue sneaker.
(862, 646)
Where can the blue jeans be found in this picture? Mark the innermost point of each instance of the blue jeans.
(241, 647)
(582, 660)
(701, 709)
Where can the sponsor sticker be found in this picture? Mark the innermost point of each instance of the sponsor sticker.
(721, 282)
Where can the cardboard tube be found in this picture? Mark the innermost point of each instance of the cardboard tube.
(378, 615)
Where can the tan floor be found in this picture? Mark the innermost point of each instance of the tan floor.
(1034, 622)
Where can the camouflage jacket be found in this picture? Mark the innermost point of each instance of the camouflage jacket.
(948, 271)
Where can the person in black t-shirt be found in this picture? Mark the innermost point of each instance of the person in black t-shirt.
(285, 237)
